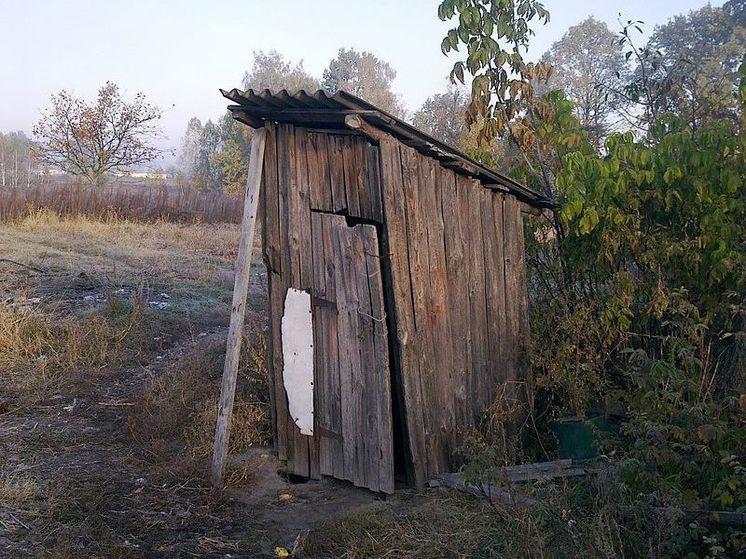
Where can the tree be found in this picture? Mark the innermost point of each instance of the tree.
(271, 71)
(588, 65)
(232, 164)
(443, 115)
(698, 57)
(188, 153)
(91, 139)
(365, 76)
(16, 160)
(688, 67)
(197, 155)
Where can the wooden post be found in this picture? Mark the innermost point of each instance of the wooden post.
(238, 311)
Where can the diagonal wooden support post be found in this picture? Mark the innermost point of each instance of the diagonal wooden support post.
(238, 310)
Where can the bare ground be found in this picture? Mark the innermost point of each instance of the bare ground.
(74, 482)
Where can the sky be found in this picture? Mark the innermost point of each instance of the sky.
(179, 52)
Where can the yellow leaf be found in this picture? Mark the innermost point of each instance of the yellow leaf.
(282, 552)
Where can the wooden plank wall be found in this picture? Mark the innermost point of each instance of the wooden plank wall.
(455, 258)
(457, 269)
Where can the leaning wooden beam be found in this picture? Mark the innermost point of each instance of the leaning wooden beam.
(238, 310)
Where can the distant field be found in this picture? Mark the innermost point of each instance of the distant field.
(141, 202)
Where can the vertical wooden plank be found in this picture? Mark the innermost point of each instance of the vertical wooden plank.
(271, 225)
(314, 171)
(320, 345)
(278, 281)
(303, 200)
(318, 172)
(295, 240)
(503, 336)
(433, 371)
(373, 167)
(322, 157)
(349, 354)
(335, 151)
(439, 312)
(335, 414)
(351, 175)
(458, 246)
(305, 260)
(413, 174)
(378, 396)
(362, 383)
(494, 264)
(397, 247)
(327, 385)
(361, 178)
(477, 303)
(286, 182)
(516, 302)
(277, 289)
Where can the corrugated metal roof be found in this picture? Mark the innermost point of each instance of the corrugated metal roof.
(329, 111)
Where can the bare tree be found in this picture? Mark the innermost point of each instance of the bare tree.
(91, 139)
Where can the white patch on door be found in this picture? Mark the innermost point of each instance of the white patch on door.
(297, 354)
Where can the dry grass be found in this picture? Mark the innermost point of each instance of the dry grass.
(139, 203)
(450, 526)
(122, 250)
(36, 346)
(174, 425)
(588, 519)
(16, 489)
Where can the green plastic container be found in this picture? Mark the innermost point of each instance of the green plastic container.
(578, 436)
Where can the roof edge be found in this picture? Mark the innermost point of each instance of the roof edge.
(252, 108)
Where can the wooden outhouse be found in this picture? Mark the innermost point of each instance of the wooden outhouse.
(398, 307)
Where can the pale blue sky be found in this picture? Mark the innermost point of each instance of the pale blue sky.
(179, 52)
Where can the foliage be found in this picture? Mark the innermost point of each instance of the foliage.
(90, 139)
(364, 75)
(501, 88)
(215, 156)
(443, 116)
(671, 211)
(587, 63)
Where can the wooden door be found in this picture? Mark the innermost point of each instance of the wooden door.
(352, 391)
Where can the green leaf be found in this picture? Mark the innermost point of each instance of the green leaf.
(589, 221)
